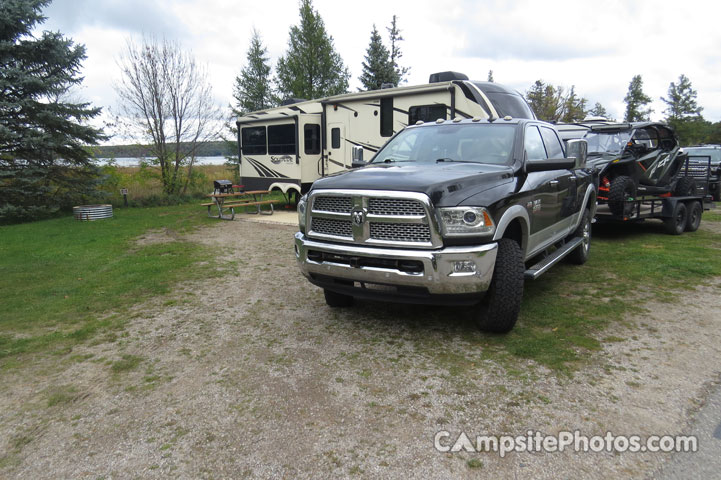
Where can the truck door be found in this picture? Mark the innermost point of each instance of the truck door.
(551, 189)
(335, 162)
(567, 189)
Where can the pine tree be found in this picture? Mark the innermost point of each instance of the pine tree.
(395, 39)
(681, 100)
(598, 110)
(573, 107)
(635, 101)
(544, 101)
(311, 67)
(377, 68)
(44, 162)
(683, 112)
(252, 89)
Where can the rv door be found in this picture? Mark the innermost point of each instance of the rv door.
(336, 160)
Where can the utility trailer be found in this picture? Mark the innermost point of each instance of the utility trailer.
(678, 213)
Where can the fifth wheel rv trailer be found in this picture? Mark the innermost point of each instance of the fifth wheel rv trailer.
(287, 148)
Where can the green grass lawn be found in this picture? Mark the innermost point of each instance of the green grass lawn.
(571, 308)
(62, 279)
(65, 282)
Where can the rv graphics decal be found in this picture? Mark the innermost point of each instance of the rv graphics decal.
(264, 171)
(278, 160)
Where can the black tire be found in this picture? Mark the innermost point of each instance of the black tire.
(580, 254)
(499, 309)
(695, 211)
(676, 224)
(685, 187)
(337, 300)
(622, 190)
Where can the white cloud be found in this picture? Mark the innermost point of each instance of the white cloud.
(596, 46)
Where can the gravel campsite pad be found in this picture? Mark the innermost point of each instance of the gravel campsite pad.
(251, 375)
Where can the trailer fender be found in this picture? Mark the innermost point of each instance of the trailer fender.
(284, 187)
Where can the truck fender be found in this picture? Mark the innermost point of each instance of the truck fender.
(589, 200)
(516, 211)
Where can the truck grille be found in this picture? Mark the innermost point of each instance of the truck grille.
(373, 218)
(395, 206)
(332, 204)
(698, 168)
(329, 226)
(400, 232)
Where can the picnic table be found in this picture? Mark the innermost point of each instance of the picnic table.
(231, 201)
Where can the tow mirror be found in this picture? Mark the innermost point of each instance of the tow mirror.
(578, 149)
(357, 157)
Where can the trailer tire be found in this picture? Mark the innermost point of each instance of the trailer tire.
(579, 255)
(685, 187)
(695, 211)
(337, 300)
(498, 310)
(622, 188)
(676, 223)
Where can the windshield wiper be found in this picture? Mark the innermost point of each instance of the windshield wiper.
(446, 159)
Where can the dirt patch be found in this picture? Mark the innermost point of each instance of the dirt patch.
(253, 375)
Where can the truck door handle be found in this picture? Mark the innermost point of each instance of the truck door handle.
(553, 183)
(572, 178)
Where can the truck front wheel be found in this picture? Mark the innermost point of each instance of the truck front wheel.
(498, 311)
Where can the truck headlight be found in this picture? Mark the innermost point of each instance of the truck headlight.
(466, 221)
(302, 205)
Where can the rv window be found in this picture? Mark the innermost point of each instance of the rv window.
(387, 117)
(426, 113)
(253, 140)
(281, 139)
(335, 137)
(311, 138)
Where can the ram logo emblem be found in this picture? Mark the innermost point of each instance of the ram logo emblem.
(358, 217)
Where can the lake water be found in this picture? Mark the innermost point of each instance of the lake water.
(134, 162)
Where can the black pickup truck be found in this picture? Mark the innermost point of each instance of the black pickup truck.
(450, 212)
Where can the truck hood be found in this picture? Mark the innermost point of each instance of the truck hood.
(447, 184)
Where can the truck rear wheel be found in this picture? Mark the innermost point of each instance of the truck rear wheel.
(580, 254)
(676, 223)
(337, 300)
(620, 195)
(499, 309)
(695, 210)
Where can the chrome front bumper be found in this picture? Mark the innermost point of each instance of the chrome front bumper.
(438, 275)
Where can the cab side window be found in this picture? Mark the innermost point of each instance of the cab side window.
(534, 144)
(553, 144)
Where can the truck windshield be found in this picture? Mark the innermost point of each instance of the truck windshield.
(471, 143)
(607, 142)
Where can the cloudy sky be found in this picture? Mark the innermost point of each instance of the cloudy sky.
(598, 46)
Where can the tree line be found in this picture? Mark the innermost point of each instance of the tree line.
(311, 67)
(557, 104)
(166, 100)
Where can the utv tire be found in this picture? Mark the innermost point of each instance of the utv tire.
(676, 224)
(498, 311)
(337, 300)
(622, 189)
(685, 187)
(580, 254)
(695, 210)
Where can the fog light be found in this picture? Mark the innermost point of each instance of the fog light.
(464, 267)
